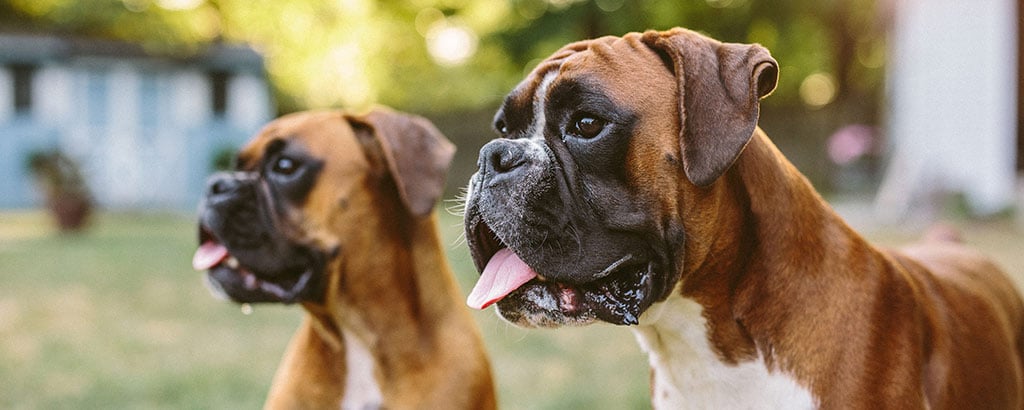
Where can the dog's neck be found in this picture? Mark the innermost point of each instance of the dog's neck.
(399, 286)
(394, 310)
(689, 373)
(729, 322)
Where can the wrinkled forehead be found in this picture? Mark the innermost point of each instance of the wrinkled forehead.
(619, 64)
(311, 132)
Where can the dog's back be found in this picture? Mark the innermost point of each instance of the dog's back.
(965, 285)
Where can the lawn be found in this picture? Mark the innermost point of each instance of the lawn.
(115, 318)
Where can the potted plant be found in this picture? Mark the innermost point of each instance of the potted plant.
(66, 194)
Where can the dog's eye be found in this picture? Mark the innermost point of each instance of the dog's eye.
(586, 126)
(285, 166)
(501, 127)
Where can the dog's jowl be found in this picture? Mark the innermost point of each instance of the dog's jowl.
(631, 185)
(335, 211)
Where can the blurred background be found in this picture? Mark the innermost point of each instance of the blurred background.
(902, 113)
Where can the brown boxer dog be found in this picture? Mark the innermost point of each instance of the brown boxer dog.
(334, 211)
(631, 185)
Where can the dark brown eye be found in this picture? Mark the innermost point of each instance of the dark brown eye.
(586, 127)
(501, 127)
(285, 166)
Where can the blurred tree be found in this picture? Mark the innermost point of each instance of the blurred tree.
(454, 60)
(444, 55)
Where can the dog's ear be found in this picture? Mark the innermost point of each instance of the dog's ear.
(416, 153)
(720, 85)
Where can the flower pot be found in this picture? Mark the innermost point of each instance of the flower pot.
(70, 210)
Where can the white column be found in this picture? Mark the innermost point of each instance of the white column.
(52, 100)
(6, 94)
(952, 91)
(248, 101)
(190, 102)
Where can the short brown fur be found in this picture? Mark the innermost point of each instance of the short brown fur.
(391, 286)
(779, 274)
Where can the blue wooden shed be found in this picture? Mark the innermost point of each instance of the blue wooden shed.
(144, 127)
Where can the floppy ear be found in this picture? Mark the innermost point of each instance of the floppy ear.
(720, 85)
(417, 156)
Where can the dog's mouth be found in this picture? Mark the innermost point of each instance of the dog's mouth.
(619, 294)
(231, 277)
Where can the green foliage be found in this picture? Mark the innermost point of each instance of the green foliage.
(67, 195)
(223, 159)
(355, 53)
(56, 173)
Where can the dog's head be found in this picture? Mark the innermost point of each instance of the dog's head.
(304, 187)
(607, 150)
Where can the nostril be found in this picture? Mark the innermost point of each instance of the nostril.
(499, 161)
(222, 184)
(218, 187)
(504, 159)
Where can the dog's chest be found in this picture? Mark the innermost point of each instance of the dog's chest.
(689, 374)
(361, 388)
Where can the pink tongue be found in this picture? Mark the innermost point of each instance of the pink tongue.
(209, 255)
(504, 273)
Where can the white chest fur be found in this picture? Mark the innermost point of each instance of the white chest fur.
(361, 388)
(689, 374)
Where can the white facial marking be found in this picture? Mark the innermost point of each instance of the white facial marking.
(540, 98)
(361, 388)
(534, 137)
(688, 374)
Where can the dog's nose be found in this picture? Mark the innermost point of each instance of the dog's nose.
(501, 156)
(223, 184)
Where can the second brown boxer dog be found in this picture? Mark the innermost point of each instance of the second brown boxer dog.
(631, 185)
(334, 211)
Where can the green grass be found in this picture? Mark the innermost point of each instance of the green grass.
(115, 318)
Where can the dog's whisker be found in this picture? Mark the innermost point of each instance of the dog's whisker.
(459, 240)
(459, 198)
(456, 206)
